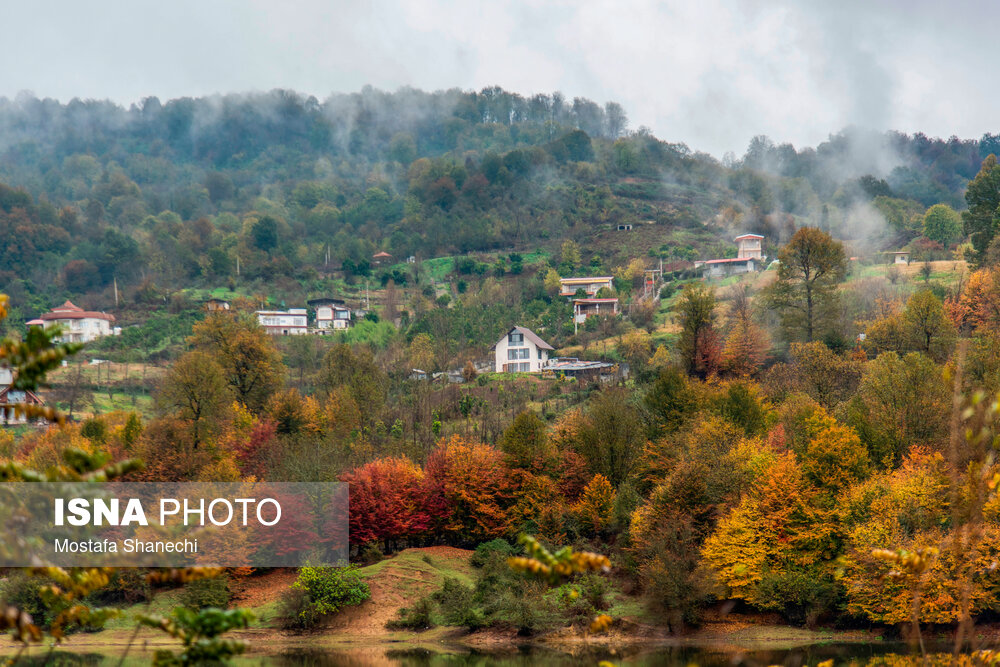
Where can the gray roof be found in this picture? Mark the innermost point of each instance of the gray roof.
(532, 336)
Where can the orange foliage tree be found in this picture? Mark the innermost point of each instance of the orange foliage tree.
(468, 489)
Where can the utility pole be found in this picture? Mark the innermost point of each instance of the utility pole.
(116, 291)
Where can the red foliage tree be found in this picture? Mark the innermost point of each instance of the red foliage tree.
(387, 502)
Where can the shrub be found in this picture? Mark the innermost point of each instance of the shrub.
(23, 592)
(417, 617)
(801, 597)
(295, 610)
(204, 593)
(499, 548)
(126, 586)
(457, 602)
(594, 590)
(324, 591)
(369, 554)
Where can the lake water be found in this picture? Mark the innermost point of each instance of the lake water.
(858, 654)
(681, 656)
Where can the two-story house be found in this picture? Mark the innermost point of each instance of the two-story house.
(331, 313)
(79, 325)
(291, 322)
(591, 285)
(521, 351)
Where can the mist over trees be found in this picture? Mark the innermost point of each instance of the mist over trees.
(279, 186)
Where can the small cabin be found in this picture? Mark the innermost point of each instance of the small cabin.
(625, 228)
(216, 305)
(900, 257)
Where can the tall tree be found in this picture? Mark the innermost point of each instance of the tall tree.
(942, 224)
(195, 389)
(250, 363)
(983, 199)
(927, 327)
(805, 294)
(747, 344)
(698, 344)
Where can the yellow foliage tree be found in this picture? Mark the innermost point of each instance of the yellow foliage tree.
(596, 506)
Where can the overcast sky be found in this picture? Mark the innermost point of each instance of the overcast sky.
(710, 73)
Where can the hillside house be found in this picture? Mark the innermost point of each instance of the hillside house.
(900, 257)
(584, 308)
(291, 322)
(216, 305)
(590, 285)
(720, 268)
(748, 246)
(381, 258)
(521, 351)
(79, 325)
(748, 258)
(9, 396)
(331, 314)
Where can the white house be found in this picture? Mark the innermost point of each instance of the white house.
(521, 351)
(292, 322)
(331, 314)
(900, 257)
(79, 325)
(591, 285)
(12, 397)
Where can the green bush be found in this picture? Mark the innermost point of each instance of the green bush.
(369, 554)
(205, 593)
(126, 586)
(458, 605)
(320, 592)
(498, 548)
(417, 617)
(23, 592)
(801, 597)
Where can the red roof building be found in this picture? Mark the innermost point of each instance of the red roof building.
(79, 325)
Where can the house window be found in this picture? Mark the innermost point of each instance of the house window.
(524, 368)
(515, 338)
(518, 353)
(539, 353)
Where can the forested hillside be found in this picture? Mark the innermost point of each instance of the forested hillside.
(252, 191)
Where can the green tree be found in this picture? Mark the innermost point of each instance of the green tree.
(525, 441)
(356, 371)
(195, 389)
(698, 344)
(250, 363)
(569, 255)
(943, 224)
(805, 294)
(612, 437)
(983, 198)
(926, 326)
